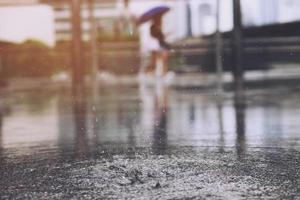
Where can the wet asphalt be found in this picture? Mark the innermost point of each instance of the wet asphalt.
(150, 143)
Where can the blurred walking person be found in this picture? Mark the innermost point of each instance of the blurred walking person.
(159, 56)
(157, 44)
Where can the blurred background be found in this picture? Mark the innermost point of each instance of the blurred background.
(74, 91)
(231, 55)
(40, 33)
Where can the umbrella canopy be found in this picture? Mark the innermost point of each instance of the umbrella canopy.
(152, 13)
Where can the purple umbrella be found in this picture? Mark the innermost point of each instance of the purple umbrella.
(152, 13)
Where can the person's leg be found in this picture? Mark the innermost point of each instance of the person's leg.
(165, 60)
(161, 64)
(151, 67)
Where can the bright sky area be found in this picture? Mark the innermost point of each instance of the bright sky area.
(20, 23)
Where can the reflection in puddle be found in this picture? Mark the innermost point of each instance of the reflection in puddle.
(240, 108)
(79, 114)
(152, 116)
(1, 124)
(160, 135)
(221, 125)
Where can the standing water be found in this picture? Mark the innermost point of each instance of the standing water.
(149, 141)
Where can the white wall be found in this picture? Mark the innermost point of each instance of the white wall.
(289, 10)
(260, 12)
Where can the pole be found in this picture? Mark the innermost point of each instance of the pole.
(240, 103)
(219, 42)
(1, 68)
(238, 71)
(77, 54)
(94, 70)
(93, 44)
(189, 20)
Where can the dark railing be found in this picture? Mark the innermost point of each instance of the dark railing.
(262, 46)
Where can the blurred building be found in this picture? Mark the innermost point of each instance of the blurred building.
(255, 13)
(105, 14)
(263, 12)
(288, 11)
(193, 17)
